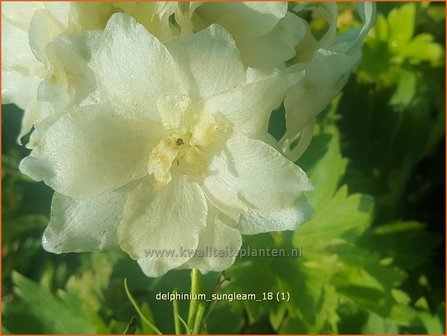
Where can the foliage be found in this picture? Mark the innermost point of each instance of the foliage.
(372, 256)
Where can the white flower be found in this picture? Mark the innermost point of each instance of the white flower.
(327, 63)
(173, 154)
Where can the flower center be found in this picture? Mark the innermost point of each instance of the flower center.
(187, 152)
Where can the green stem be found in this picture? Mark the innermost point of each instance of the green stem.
(195, 290)
(176, 316)
(137, 308)
(199, 319)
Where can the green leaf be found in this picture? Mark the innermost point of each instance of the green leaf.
(401, 25)
(397, 241)
(342, 219)
(48, 313)
(432, 323)
(379, 325)
(226, 318)
(324, 165)
(422, 48)
(406, 88)
(380, 29)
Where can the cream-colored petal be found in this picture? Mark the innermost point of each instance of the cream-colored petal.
(256, 221)
(91, 151)
(245, 19)
(20, 13)
(19, 67)
(276, 47)
(325, 77)
(83, 226)
(60, 10)
(44, 27)
(218, 246)
(69, 79)
(159, 221)
(15, 48)
(248, 107)
(134, 69)
(160, 160)
(326, 74)
(88, 16)
(19, 88)
(175, 112)
(209, 60)
(251, 174)
(35, 113)
(42, 116)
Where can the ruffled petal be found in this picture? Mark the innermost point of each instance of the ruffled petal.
(19, 67)
(134, 69)
(276, 47)
(326, 74)
(91, 151)
(69, 79)
(251, 174)
(289, 218)
(218, 244)
(83, 226)
(248, 107)
(158, 222)
(210, 60)
(245, 19)
(44, 27)
(20, 13)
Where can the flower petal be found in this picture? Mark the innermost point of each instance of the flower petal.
(91, 151)
(134, 69)
(246, 19)
(83, 226)
(158, 221)
(211, 61)
(326, 74)
(44, 27)
(34, 113)
(19, 67)
(251, 174)
(60, 10)
(249, 106)
(276, 47)
(325, 77)
(218, 244)
(258, 221)
(20, 13)
(69, 79)
(175, 112)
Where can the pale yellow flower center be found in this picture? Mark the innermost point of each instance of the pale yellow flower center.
(187, 152)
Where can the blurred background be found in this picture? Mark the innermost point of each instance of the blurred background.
(373, 257)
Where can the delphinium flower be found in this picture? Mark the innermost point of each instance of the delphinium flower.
(151, 125)
(173, 153)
